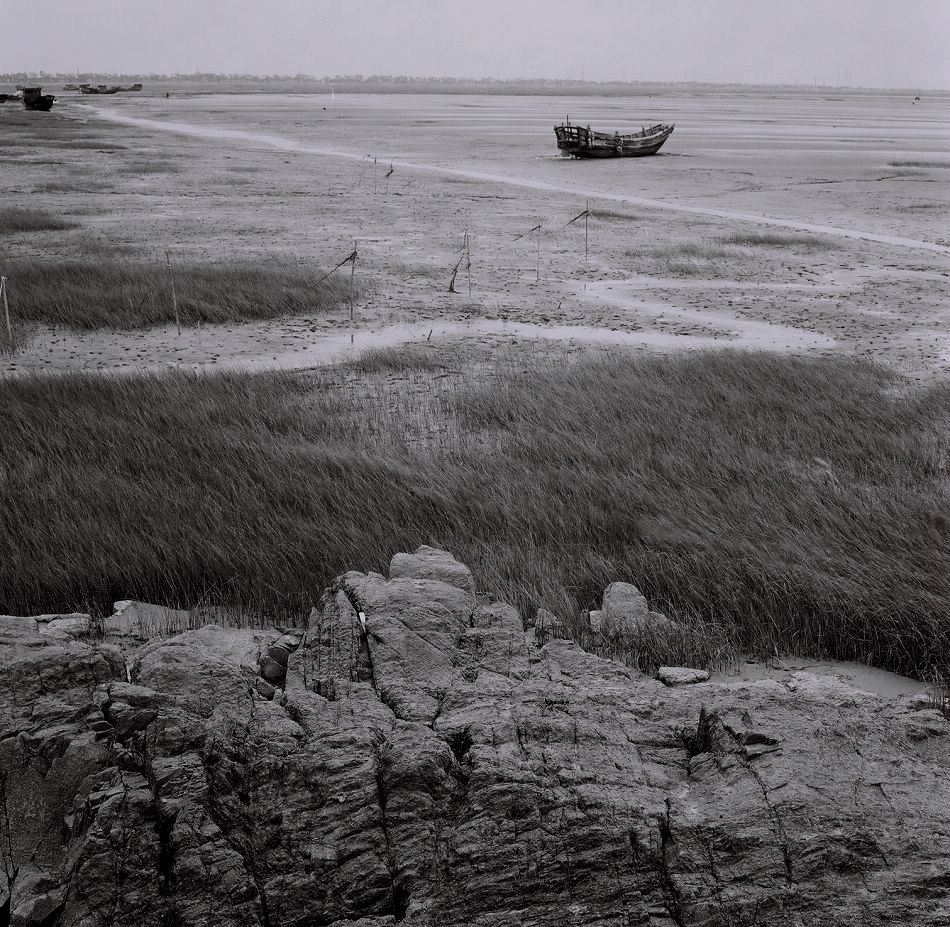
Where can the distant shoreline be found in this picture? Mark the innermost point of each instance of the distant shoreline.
(217, 83)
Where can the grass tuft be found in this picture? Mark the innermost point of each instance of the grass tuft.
(800, 241)
(14, 219)
(151, 167)
(78, 185)
(918, 164)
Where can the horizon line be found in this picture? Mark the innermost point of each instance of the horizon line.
(404, 78)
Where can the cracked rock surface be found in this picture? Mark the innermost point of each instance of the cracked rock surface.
(428, 764)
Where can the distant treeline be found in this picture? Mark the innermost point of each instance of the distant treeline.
(386, 83)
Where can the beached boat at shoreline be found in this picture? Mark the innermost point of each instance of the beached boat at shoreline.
(35, 99)
(581, 142)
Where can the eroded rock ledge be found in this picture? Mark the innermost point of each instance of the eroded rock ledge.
(414, 757)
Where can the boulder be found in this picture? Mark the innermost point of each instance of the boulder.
(74, 626)
(681, 675)
(432, 563)
(595, 619)
(626, 611)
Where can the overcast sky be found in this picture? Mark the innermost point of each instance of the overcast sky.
(882, 43)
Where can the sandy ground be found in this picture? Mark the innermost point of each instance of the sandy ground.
(787, 672)
(855, 186)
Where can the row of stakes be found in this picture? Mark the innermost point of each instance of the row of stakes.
(464, 262)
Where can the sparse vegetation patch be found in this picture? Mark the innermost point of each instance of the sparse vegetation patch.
(793, 240)
(14, 219)
(919, 164)
(138, 293)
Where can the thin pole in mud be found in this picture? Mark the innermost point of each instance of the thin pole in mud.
(537, 228)
(352, 275)
(537, 273)
(374, 173)
(585, 215)
(171, 278)
(468, 262)
(6, 309)
(586, 263)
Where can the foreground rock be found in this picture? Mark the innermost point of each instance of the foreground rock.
(413, 759)
(626, 611)
(681, 675)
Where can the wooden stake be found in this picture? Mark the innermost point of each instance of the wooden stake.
(171, 278)
(586, 265)
(468, 262)
(6, 309)
(537, 275)
(352, 275)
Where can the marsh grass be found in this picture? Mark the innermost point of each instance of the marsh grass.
(925, 164)
(14, 219)
(685, 259)
(766, 503)
(792, 240)
(613, 215)
(76, 185)
(152, 167)
(137, 293)
(90, 144)
(407, 358)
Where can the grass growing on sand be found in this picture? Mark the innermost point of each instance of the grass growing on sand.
(800, 241)
(13, 219)
(157, 166)
(684, 259)
(136, 294)
(919, 164)
(765, 502)
(77, 185)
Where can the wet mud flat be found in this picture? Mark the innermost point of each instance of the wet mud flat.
(803, 223)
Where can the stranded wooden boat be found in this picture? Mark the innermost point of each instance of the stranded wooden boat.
(581, 142)
(34, 98)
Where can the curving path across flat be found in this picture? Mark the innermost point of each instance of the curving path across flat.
(287, 144)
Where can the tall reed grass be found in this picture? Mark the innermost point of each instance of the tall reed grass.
(137, 293)
(766, 503)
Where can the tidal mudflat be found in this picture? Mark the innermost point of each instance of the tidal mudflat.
(801, 222)
(786, 500)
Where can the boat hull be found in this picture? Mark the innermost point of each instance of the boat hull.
(35, 99)
(578, 142)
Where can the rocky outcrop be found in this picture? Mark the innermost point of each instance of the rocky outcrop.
(417, 759)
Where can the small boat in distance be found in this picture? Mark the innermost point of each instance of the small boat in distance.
(34, 98)
(580, 142)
